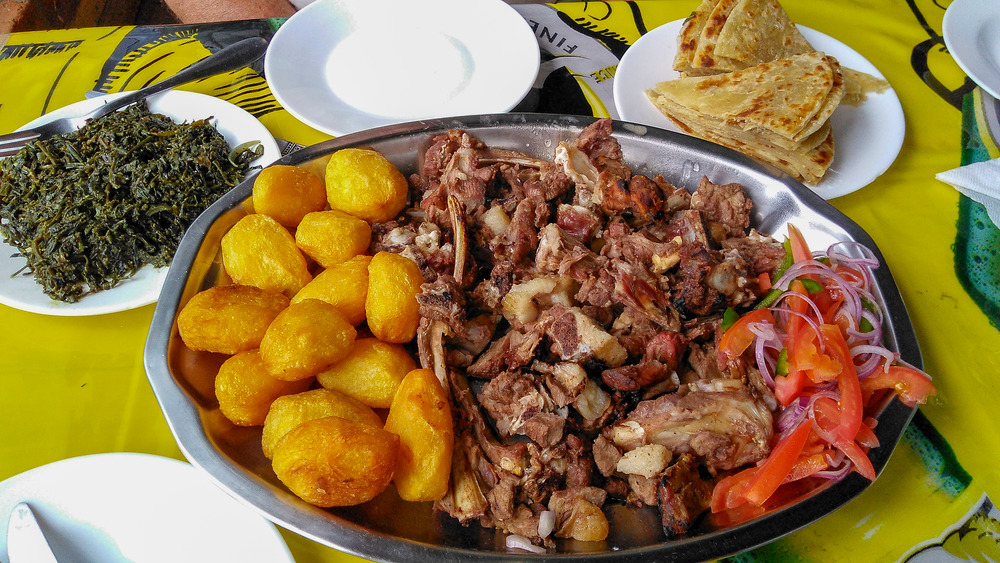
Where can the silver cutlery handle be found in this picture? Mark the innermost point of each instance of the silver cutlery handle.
(234, 56)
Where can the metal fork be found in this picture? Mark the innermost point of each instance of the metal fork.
(237, 55)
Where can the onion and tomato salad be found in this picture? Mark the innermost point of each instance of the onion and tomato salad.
(816, 337)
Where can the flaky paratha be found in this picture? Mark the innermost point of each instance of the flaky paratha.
(857, 86)
(704, 56)
(758, 31)
(788, 99)
(808, 166)
(687, 39)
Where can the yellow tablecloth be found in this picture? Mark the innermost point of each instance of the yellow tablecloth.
(75, 386)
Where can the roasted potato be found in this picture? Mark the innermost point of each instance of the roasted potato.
(289, 411)
(391, 304)
(306, 338)
(420, 415)
(287, 193)
(245, 389)
(259, 251)
(344, 285)
(370, 373)
(229, 318)
(333, 461)
(586, 522)
(331, 237)
(365, 184)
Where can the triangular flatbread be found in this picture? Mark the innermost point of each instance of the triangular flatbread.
(788, 99)
(705, 56)
(809, 166)
(758, 31)
(687, 39)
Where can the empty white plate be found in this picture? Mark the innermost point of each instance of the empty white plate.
(140, 508)
(342, 66)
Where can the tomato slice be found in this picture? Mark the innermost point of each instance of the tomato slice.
(764, 281)
(738, 337)
(788, 387)
(730, 491)
(805, 355)
(866, 437)
(807, 465)
(798, 307)
(800, 250)
(777, 465)
(862, 464)
(851, 404)
(912, 386)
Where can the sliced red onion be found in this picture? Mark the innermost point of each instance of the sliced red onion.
(835, 474)
(868, 260)
(792, 415)
(764, 363)
(546, 523)
(877, 356)
(515, 541)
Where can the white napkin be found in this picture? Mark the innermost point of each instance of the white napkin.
(980, 182)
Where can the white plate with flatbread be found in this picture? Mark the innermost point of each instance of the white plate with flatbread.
(867, 137)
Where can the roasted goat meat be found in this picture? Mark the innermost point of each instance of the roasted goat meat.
(571, 306)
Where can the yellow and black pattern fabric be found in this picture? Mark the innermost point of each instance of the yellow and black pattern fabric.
(934, 501)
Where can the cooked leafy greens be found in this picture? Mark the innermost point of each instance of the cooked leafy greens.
(90, 208)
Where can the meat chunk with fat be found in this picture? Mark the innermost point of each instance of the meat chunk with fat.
(725, 207)
(724, 429)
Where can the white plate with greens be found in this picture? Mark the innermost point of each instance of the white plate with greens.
(19, 289)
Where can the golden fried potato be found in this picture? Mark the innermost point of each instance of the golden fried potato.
(289, 411)
(333, 461)
(287, 193)
(370, 373)
(229, 318)
(245, 389)
(304, 339)
(258, 251)
(331, 237)
(391, 304)
(586, 522)
(344, 285)
(365, 184)
(420, 415)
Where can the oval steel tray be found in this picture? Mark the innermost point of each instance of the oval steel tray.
(388, 529)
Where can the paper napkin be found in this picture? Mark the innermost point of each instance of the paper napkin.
(980, 182)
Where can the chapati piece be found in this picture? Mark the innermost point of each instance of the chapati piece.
(705, 56)
(857, 86)
(758, 31)
(728, 35)
(807, 165)
(786, 100)
(687, 40)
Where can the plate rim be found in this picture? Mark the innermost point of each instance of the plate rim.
(15, 487)
(527, 70)
(892, 148)
(955, 16)
(152, 278)
(186, 424)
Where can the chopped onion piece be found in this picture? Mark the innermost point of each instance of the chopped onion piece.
(515, 541)
(546, 523)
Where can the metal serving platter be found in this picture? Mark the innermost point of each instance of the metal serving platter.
(388, 529)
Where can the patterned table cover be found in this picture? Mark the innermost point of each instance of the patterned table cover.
(75, 386)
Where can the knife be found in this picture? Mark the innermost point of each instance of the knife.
(25, 540)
